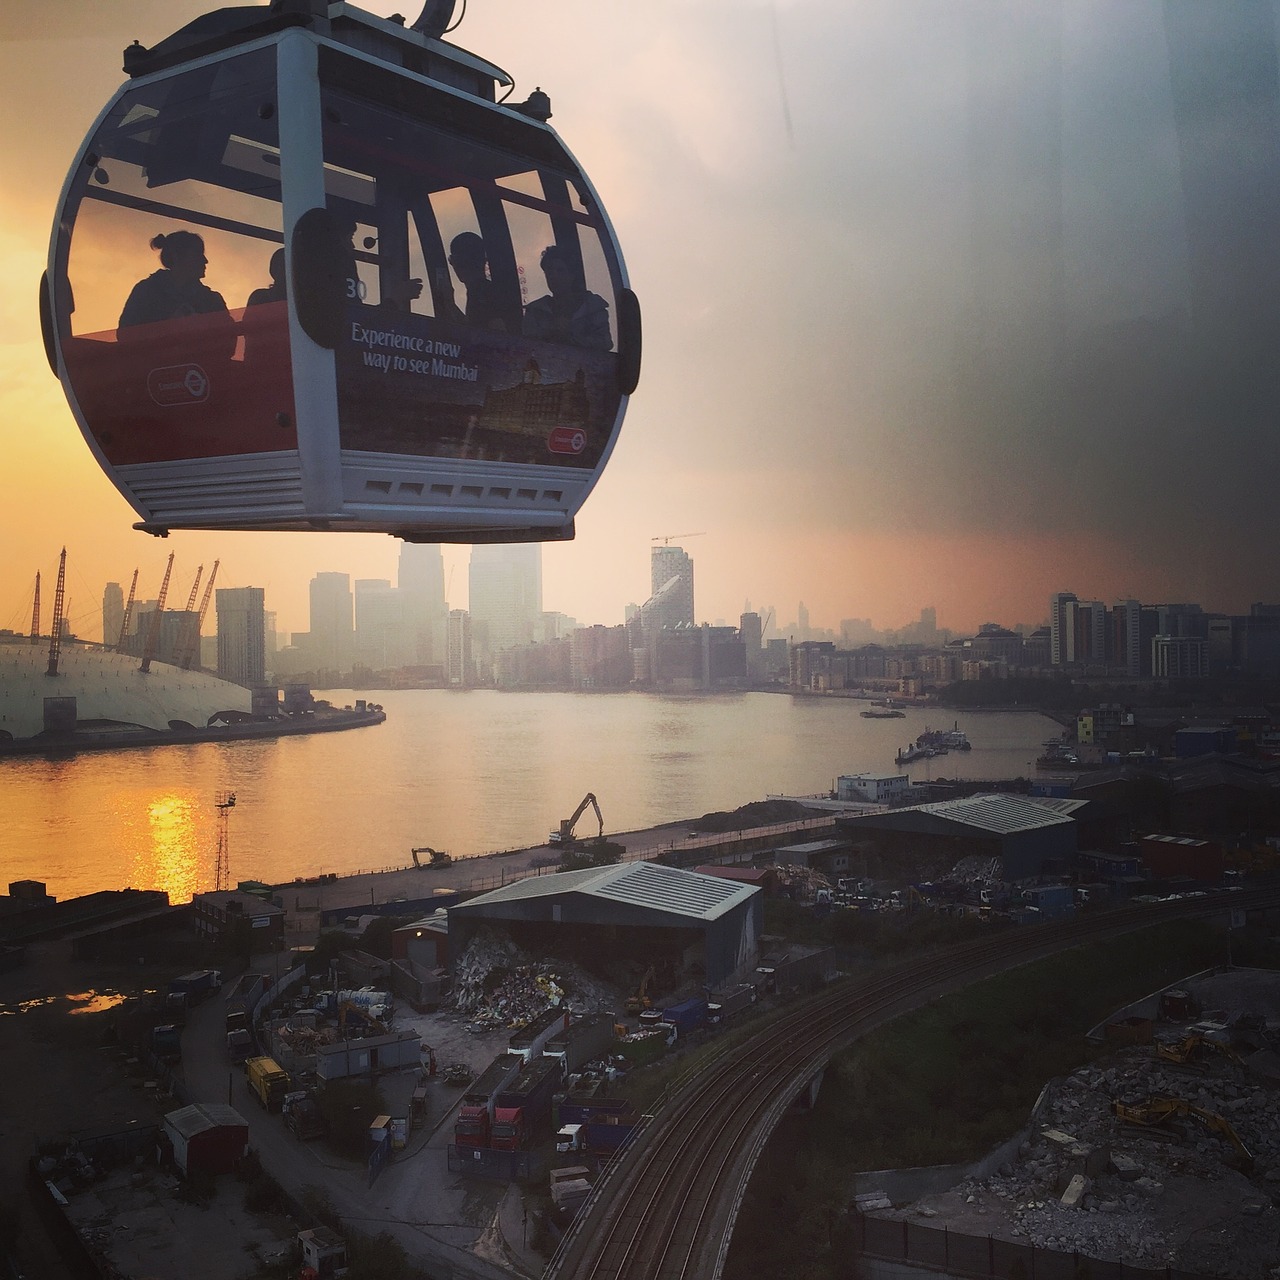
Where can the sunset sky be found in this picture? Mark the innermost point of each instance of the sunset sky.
(927, 314)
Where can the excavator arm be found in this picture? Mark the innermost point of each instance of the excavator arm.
(568, 824)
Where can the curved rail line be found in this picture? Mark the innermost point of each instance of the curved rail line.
(664, 1208)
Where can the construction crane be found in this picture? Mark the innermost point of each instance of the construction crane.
(225, 802)
(55, 635)
(153, 631)
(127, 616)
(666, 538)
(190, 649)
(180, 649)
(565, 834)
(35, 613)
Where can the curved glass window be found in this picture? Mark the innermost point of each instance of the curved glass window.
(168, 285)
(480, 317)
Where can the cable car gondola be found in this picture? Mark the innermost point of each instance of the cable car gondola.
(309, 272)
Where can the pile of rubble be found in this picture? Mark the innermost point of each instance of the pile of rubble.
(1086, 1181)
(498, 985)
(800, 882)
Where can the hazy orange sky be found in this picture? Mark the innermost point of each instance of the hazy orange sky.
(843, 391)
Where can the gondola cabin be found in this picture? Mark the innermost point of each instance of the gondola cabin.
(308, 272)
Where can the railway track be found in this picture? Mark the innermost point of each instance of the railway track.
(665, 1208)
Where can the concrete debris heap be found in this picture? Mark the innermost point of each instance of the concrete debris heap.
(497, 985)
(1086, 1181)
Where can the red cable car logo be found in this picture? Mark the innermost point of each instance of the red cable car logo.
(178, 384)
(567, 440)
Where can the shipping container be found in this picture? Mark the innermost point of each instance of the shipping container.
(686, 1016)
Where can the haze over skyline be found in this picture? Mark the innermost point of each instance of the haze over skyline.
(953, 306)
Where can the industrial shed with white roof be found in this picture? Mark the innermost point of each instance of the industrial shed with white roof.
(628, 909)
(1024, 833)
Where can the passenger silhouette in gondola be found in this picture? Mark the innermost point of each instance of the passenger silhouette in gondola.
(275, 291)
(178, 292)
(470, 262)
(570, 312)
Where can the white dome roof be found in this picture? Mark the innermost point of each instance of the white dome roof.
(106, 686)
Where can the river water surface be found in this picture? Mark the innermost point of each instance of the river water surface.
(465, 771)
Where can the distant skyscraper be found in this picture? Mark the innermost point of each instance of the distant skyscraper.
(458, 663)
(1061, 629)
(1127, 629)
(420, 579)
(112, 614)
(504, 597)
(332, 630)
(802, 621)
(750, 630)
(380, 631)
(670, 589)
(242, 634)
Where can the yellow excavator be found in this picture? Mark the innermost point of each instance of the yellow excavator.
(347, 1011)
(436, 857)
(565, 834)
(1162, 1112)
(641, 1001)
(1193, 1048)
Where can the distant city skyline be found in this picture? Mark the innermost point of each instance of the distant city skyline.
(370, 624)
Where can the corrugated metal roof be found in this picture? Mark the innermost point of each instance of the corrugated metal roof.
(202, 1116)
(640, 884)
(1001, 814)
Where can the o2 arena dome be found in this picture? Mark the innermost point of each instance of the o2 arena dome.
(97, 692)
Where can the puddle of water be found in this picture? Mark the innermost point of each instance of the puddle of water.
(94, 1001)
(24, 1006)
(81, 1002)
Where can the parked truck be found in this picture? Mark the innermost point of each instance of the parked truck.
(522, 1109)
(582, 1041)
(732, 1000)
(378, 1004)
(601, 1137)
(686, 1016)
(197, 985)
(530, 1042)
(475, 1116)
(268, 1081)
(166, 1042)
(240, 1001)
(239, 1044)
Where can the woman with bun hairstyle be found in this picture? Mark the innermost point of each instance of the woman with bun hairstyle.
(177, 290)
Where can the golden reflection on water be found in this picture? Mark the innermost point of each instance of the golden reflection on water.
(169, 852)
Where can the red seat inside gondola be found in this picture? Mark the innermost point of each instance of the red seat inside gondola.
(200, 386)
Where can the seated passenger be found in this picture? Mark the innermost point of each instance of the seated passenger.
(569, 313)
(275, 291)
(177, 291)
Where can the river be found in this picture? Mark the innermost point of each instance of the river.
(468, 771)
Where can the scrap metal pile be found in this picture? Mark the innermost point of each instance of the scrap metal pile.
(499, 985)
